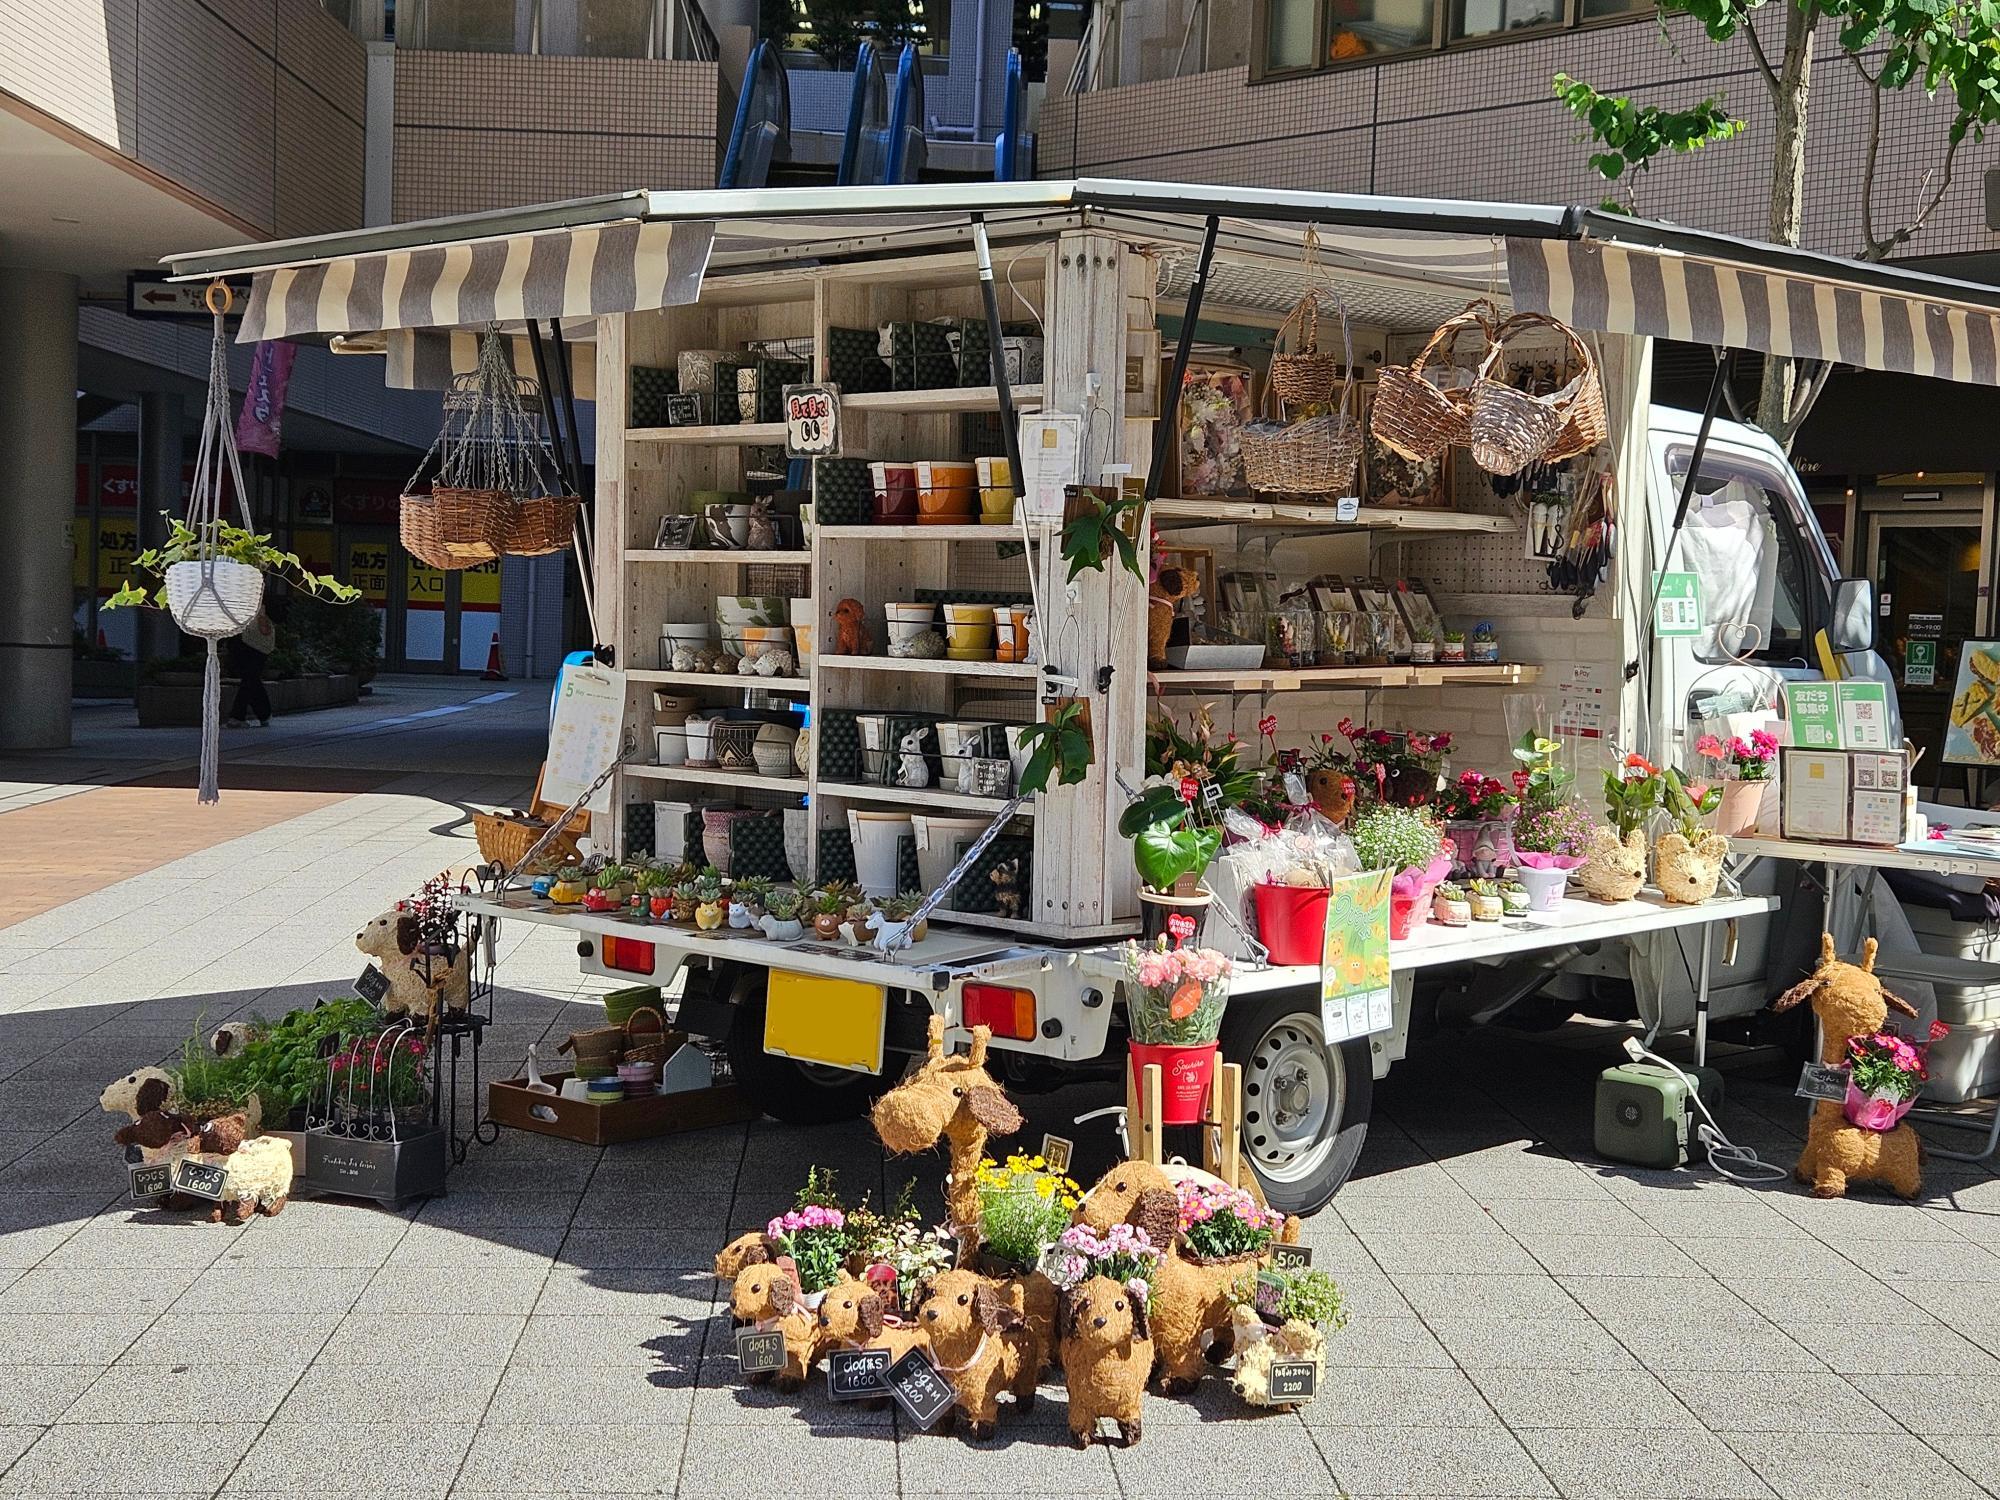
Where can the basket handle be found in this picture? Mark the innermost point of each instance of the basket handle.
(644, 1010)
(1305, 313)
(1475, 315)
(1578, 350)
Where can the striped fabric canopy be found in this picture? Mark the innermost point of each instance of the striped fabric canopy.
(625, 266)
(1618, 288)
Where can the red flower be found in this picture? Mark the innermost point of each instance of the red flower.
(1637, 762)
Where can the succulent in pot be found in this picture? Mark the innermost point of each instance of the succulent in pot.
(711, 909)
(1486, 903)
(684, 900)
(829, 910)
(1451, 906)
(569, 886)
(746, 900)
(893, 924)
(780, 921)
(1514, 898)
(654, 892)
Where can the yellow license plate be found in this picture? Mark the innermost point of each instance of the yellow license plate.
(838, 1022)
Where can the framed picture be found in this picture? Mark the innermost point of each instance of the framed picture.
(675, 534)
(1394, 482)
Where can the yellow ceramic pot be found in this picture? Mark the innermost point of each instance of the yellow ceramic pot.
(568, 892)
(710, 915)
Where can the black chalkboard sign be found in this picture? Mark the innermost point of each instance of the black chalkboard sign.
(1291, 1257)
(1823, 1081)
(916, 1386)
(200, 1179)
(1056, 1151)
(372, 985)
(1294, 1380)
(856, 1374)
(152, 1179)
(757, 1352)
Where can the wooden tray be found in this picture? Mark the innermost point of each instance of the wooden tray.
(509, 1101)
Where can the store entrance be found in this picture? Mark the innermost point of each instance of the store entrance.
(430, 620)
(1926, 569)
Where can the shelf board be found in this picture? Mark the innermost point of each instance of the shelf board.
(1283, 679)
(712, 776)
(972, 532)
(931, 667)
(1038, 929)
(943, 398)
(928, 797)
(1178, 514)
(743, 557)
(728, 434)
(715, 680)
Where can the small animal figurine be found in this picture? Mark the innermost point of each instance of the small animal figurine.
(850, 629)
(763, 535)
(769, 1297)
(1850, 1001)
(925, 645)
(982, 1346)
(1006, 879)
(912, 769)
(855, 1315)
(1107, 1354)
(1332, 792)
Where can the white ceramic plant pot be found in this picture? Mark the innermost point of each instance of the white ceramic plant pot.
(875, 836)
(798, 841)
(700, 734)
(222, 606)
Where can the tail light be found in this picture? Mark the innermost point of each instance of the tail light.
(1009, 1012)
(627, 955)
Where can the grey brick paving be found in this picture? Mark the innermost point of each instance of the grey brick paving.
(1526, 1320)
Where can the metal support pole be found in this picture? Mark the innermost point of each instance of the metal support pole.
(1010, 429)
(1724, 365)
(1164, 425)
(1701, 997)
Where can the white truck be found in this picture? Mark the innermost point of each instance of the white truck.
(1115, 284)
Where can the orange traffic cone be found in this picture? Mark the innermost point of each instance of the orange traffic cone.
(493, 672)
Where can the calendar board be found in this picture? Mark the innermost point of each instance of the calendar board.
(588, 735)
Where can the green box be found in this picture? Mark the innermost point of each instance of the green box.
(1644, 1116)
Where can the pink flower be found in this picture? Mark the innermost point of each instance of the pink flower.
(1938, 1029)
(1710, 746)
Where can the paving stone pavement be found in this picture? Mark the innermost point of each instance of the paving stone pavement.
(1526, 1320)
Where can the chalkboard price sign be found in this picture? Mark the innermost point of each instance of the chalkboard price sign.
(1291, 1257)
(1056, 1151)
(856, 1374)
(152, 1179)
(1294, 1380)
(372, 985)
(916, 1386)
(200, 1179)
(1823, 1081)
(758, 1352)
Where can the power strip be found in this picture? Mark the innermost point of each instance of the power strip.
(1737, 1163)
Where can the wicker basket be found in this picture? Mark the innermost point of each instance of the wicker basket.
(1581, 400)
(1508, 429)
(1414, 417)
(649, 1043)
(1318, 456)
(599, 1047)
(540, 525)
(1303, 375)
(453, 529)
(505, 839)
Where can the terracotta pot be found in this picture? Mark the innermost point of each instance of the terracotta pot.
(1689, 873)
(1738, 812)
(1613, 869)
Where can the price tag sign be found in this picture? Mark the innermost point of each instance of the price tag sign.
(1678, 612)
(812, 421)
(1056, 1152)
(372, 986)
(153, 1179)
(1211, 794)
(1354, 994)
(915, 1385)
(1822, 1081)
(1294, 1380)
(1347, 508)
(1291, 1257)
(856, 1374)
(758, 1352)
(200, 1179)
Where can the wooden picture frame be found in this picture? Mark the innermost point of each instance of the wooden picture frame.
(1391, 482)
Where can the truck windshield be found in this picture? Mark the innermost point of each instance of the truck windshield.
(1742, 540)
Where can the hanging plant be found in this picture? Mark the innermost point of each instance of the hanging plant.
(184, 544)
(1097, 521)
(1060, 746)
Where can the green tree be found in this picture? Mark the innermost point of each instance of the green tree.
(1950, 49)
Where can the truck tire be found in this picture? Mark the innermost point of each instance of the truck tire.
(796, 1093)
(1305, 1108)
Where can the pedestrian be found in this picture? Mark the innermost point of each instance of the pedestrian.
(246, 659)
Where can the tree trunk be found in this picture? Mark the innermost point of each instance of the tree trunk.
(1790, 90)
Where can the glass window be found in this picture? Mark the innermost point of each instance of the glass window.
(467, 26)
(1291, 37)
(1471, 18)
(1742, 540)
(1367, 28)
(617, 28)
(1597, 10)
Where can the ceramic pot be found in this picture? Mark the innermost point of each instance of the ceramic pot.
(1486, 908)
(1689, 873)
(1160, 911)
(945, 494)
(826, 926)
(683, 908)
(1452, 651)
(740, 916)
(1010, 633)
(660, 907)
(1613, 868)
(786, 930)
(1450, 913)
(1740, 803)
(710, 915)
(895, 498)
(1545, 886)
(1514, 902)
(568, 892)
(996, 491)
(1403, 911)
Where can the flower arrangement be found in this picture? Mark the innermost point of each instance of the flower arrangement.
(1024, 1206)
(1687, 802)
(901, 1256)
(1309, 1296)
(1749, 760)
(1398, 766)
(1631, 792)
(1220, 1220)
(1176, 995)
(375, 1073)
(1476, 797)
(1555, 832)
(1123, 1252)
(813, 1232)
(1395, 838)
(1887, 1064)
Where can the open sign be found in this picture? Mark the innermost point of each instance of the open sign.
(812, 421)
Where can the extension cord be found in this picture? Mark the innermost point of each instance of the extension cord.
(1723, 1153)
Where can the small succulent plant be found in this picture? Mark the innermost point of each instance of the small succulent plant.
(783, 903)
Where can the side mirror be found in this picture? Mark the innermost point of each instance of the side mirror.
(1852, 626)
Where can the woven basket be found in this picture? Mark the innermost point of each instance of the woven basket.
(1318, 456)
(540, 525)
(1508, 429)
(505, 838)
(219, 607)
(1411, 415)
(1303, 375)
(453, 529)
(1581, 400)
(599, 1047)
(645, 1044)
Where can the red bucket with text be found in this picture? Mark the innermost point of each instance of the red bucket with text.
(1291, 921)
(1185, 1076)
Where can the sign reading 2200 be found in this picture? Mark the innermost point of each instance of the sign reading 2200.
(812, 421)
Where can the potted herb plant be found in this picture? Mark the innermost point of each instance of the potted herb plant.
(780, 921)
(1614, 865)
(1687, 859)
(1403, 840)
(1174, 999)
(1451, 906)
(1746, 771)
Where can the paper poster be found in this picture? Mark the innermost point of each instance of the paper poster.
(1864, 715)
(1920, 663)
(1051, 459)
(1812, 710)
(1677, 607)
(1973, 737)
(588, 735)
(1354, 995)
(1815, 794)
(1580, 703)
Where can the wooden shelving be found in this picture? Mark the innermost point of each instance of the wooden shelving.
(716, 680)
(1400, 675)
(1304, 514)
(931, 667)
(795, 556)
(929, 797)
(973, 532)
(713, 776)
(942, 398)
(726, 435)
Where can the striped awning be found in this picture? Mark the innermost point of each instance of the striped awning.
(627, 266)
(428, 359)
(1618, 288)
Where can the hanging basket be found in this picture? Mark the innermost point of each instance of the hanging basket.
(219, 605)
(454, 529)
(540, 525)
(1581, 400)
(1413, 415)
(1303, 375)
(1508, 429)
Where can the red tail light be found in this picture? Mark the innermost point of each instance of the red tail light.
(1010, 1012)
(627, 955)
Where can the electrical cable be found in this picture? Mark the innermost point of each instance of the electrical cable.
(1723, 1153)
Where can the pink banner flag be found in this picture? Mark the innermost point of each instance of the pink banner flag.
(264, 398)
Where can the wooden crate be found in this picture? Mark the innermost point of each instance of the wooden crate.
(509, 1101)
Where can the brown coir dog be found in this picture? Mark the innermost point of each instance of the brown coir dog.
(1107, 1353)
(982, 1346)
(768, 1297)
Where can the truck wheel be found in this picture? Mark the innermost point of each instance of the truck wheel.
(1305, 1107)
(797, 1093)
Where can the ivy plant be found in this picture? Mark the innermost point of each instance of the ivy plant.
(254, 549)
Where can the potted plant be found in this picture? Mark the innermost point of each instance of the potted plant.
(1404, 767)
(569, 886)
(829, 910)
(1514, 898)
(780, 921)
(1058, 745)
(1172, 846)
(746, 902)
(1423, 650)
(1281, 1316)
(610, 889)
(1687, 859)
(1451, 906)
(1477, 810)
(1098, 519)
(1746, 772)
(1485, 645)
(1174, 999)
(1885, 1073)
(1485, 897)
(1403, 840)
(1551, 832)
(1453, 647)
(683, 900)
(380, 1086)
(711, 907)
(813, 1234)
(238, 561)
(651, 886)
(898, 1257)
(1024, 1207)
(896, 912)
(1221, 1224)
(1614, 865)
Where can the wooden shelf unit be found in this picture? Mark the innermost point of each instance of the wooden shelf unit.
(751, 781)
(1186, 514)
(861, 791)
(1011, 670)
(1333, 679)
(647, 677)
(743, 558)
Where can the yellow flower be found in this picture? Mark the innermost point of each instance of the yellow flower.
(1036, 1162)
(1068, 1202)
(1045, 1187)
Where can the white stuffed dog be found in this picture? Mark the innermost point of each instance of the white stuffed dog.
(391, 940)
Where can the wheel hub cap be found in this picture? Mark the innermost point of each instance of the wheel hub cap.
(1294, 1096)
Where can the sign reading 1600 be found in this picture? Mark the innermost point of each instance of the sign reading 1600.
(812, 421)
